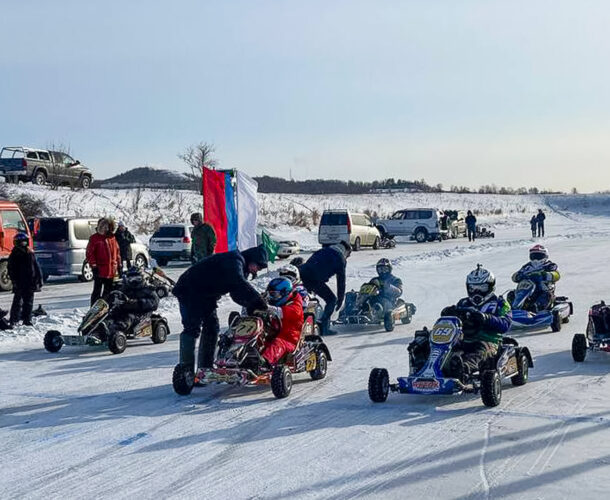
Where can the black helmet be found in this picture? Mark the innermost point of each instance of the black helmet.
(384, 267)
(21, 239)
(133, 277)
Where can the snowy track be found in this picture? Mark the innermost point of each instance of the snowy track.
(87, 424)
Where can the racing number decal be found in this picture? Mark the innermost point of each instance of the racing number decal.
(311, 362)
(246, 327)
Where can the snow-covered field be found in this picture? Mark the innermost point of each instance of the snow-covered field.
(87, 424)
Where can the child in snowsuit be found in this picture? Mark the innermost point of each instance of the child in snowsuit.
(26, 276)
(287, 305)
(543, 273)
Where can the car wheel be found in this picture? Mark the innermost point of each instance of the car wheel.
(86, 273)
(6, 284)
(421, 235)
(40, 178)
(357, 244)
(376, 243)
(140, 261)
(85, 182)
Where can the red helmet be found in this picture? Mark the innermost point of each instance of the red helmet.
(539, 252)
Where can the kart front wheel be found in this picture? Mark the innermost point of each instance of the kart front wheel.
(117, 342)
(53, 341)
(379, 385)
(388, 322)
(319, 372)
(281, 381)
(491, 388)
(160, 332)
(556, 323)
(183, 380)
(579, 347)
(523, 367)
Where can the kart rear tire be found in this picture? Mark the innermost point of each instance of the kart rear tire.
(523, 371)
(388, 322)
(319, 372)
(233, 315)
(53, 341)
(579, 347)
(376, 243)
(117, 342)
(491, 388)
(379, 385)
(160, 332)
(556, 323)
(281, 381)
(183, 380)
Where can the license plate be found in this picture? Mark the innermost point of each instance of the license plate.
(44, 255)
(166, 243)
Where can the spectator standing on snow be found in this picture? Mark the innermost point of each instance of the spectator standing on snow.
(104, 257)
(26, 276)
(124, 238)
(204, 239)
(540, 219)
(533, 225)
(471, 225)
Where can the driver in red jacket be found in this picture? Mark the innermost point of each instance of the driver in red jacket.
(286, 303)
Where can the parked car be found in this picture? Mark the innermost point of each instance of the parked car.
(420, 224)
(342, 225)
(11, 222)
(41, 166)
(457, 223)
(288, 248)
(171, 242)
(61, 243)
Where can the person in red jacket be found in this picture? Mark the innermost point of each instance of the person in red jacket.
(286, 303)
(104, 257)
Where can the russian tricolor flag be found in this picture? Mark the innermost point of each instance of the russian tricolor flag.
(219, 208)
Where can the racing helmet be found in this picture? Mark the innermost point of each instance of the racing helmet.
(133, 278)
(291, 272)
(279, 291)
(383, 267)
(539, 253)
(480, 284)
(21, 239)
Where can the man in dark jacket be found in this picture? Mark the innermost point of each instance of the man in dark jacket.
(24, 272)
(540, 220)
(141, 299)
(315, 273)
(124, 238)
(204, 239)
(471, 225)
(200, 288)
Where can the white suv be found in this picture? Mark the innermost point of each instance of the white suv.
(341, 225)
(171, 242)
(420, 224)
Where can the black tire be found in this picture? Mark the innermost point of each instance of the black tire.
(160, 332)
(376, 243)
(6, 285)
(162, 262)
(523, 367)
(53, 341)
(491, 388)
(86, 273)
(357, 244)
(319, 372)
(183, 380)
(579, 347)
(281, 381)
(161, 292)
(405, 320)
(556, 323)
(233, 315)
(388, 322)
(85, 182)
(39, 178)
(421, 235)
(140, 261)
(379, 385)
(117, 342)
(566, 320)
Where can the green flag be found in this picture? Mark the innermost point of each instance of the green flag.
(270, 245)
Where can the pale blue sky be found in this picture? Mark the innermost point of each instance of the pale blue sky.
(458, 92)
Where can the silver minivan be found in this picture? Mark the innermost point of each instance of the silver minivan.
(342, 225)
(60, 244)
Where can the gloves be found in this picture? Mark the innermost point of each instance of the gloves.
(478, 319)
(449, 311)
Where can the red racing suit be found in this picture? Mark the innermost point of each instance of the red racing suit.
(291, 316)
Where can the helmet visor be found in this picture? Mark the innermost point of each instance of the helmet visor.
(384, 269)
(480, 289)
(538, 255)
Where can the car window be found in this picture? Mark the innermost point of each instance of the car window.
(44, 156)
(424, 214)
(169, 232)
(32, 155)
(367, 220)
(398, 216)
(68, 160)
(52, 229)
(358, 220)
(411, 214)
(83, 229)
(12, 219)
(334, 219)
(57, 157)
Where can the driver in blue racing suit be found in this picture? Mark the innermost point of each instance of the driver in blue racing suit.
(543, 273)
(390, 285)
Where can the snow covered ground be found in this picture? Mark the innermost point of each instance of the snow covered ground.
(87, 424)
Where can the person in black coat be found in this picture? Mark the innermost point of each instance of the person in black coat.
(540, 220)
(471, 225)
(533, 225)
(124, 238)
(24, 272)
(315, 273)
(140, 299)
(200, 288)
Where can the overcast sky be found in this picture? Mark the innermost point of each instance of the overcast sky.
(457, 92)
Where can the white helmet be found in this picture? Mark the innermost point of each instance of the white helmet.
(480, 284)
(539, 253)
(291, 272)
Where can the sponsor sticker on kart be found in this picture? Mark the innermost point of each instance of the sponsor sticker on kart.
(426, 385)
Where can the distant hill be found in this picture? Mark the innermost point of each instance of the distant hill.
(147, 177)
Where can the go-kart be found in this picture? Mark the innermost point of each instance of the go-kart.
(484, 232)
(97, 328)
(239, 362)
(365, 308)
(597, 337)
(523, 307)
(160, 281)
(437, 374)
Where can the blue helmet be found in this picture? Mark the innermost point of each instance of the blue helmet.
(279, 291)
(20, 238)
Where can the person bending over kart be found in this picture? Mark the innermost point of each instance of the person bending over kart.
(287, 305)
(200, 288)
(315, 273)
(543, 273)
(390, 285)
(485, 317)
(140, 299)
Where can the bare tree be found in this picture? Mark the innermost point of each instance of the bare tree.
(196, 157)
